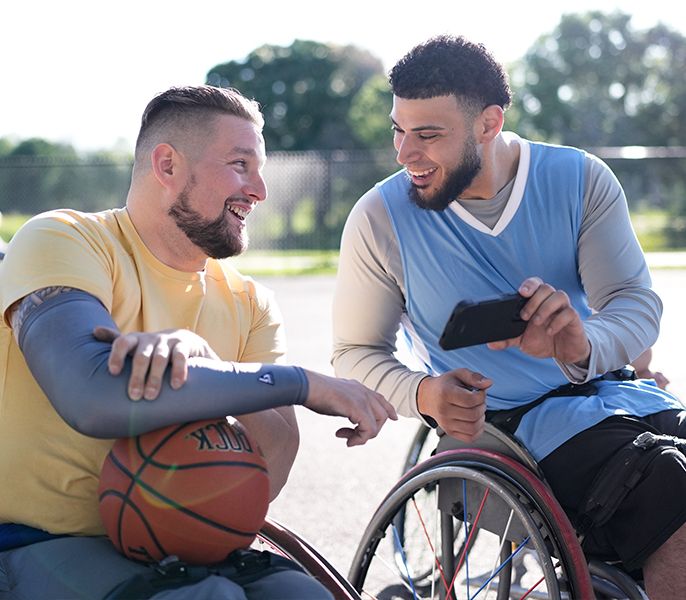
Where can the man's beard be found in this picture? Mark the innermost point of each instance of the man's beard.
(214, 237)
(457, 181)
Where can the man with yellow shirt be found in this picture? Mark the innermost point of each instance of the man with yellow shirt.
(128, 320)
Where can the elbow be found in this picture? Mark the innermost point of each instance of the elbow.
(338, 361)
(87, 415)
(280, 470)
(87, 422)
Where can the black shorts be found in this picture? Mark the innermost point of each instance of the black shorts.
(650, 513)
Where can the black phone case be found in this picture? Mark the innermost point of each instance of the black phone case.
(473, 323)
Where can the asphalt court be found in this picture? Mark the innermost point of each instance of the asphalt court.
(333, 490)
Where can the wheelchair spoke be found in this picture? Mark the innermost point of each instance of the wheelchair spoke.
(407, 569)
(498, 556)
(502, 565)
(436, 562)
(531, 589)
(469, 533)
(391, 569)
(471, 525)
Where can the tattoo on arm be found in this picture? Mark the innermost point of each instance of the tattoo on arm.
(22, 308)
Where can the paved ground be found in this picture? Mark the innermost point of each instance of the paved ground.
(334, 490)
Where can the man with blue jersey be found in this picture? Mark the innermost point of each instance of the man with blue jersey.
(476, 213)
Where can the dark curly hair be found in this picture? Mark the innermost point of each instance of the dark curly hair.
(446, 65)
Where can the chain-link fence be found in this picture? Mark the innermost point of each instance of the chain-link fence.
(311, 193)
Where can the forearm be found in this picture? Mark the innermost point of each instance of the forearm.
(70, 365)
(615, 276)
(620, 333)
(383, 373)
(276, 432)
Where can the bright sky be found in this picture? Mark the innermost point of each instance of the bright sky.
(82, 71)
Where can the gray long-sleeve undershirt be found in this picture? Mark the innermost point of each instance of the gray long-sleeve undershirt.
(70, 365)
(369, 302)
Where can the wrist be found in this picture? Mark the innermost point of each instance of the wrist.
(423, 407)
(585, 358)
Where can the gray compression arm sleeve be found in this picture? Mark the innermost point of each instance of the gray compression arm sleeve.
(70, 365)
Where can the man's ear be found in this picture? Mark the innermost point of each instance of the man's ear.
(165, 162)
(489, 123)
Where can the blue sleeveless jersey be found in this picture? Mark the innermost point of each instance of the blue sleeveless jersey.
(446, 259)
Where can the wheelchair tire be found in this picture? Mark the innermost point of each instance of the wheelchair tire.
(535, 528)
(283, 541)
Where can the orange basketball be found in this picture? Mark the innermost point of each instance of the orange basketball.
(198, 491)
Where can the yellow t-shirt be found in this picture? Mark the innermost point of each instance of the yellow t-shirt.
(49, 472)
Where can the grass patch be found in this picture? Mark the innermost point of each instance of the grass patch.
(652, 228)
(10, 223)
(289, 262)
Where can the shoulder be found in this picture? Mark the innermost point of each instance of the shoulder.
(555, 155)
(370, 207)
(66, 235)
(595, 171)
(598, 172)
(368, 233)
(602, 188)
(370, 215)
(64, 224)
(59, 248)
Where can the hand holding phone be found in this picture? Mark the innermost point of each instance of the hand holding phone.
(473, 323)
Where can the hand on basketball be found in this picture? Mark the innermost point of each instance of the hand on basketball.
(366, 409)
(554, 328)
(152, 353)
(457, 401)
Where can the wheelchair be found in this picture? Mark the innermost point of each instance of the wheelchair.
(477, 521)
(279, 539)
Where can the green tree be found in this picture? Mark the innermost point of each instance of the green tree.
(305, 91)
(595, 81)
(5, 146)
(369, 112)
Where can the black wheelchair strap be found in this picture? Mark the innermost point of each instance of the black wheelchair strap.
(508, 420)
(241, 566)
(620, 475)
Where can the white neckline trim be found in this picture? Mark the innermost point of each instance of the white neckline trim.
(513, 202)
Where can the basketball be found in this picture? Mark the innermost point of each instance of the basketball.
(198, 491)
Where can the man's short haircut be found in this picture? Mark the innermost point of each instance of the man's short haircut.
(446, 65)
(183, 112)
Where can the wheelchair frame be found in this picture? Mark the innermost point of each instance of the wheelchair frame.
(281, 540)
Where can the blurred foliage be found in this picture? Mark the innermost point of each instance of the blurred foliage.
(595, 81)
(9, 224)
(592, 82)
(305, 91)
(37, 175)
(369, 112)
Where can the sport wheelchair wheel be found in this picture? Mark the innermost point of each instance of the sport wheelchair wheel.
(277, 538)
(422, 446)
(478, 490)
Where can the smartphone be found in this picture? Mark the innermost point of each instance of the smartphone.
(473, 323)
